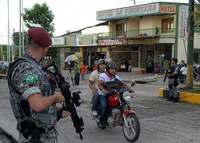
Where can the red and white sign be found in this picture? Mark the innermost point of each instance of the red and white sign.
(113, 42)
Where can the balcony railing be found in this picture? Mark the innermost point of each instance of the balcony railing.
(141, 33)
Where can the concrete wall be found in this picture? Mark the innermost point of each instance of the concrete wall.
(146, 22)
(197, 40)
(133, 24)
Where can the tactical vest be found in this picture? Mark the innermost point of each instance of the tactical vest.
(171, 70)
(45, 119)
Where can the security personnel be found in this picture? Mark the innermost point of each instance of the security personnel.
(172, 75)
(32, 99)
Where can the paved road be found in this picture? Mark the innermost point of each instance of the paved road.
(161, 121)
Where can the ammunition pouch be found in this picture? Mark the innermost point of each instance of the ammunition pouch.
(16, 108)
(28, 128)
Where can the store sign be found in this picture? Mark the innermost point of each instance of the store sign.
(128, 11)
(167, 9)
(183, 15)
(58, 41)
(89, 39)
(113, 42)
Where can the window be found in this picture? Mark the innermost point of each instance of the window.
(121, 29)
(167, 25)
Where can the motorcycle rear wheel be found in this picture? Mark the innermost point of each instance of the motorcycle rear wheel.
(132, 131)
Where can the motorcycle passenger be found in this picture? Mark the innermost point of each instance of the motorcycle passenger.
(93, 84)
(108, 76)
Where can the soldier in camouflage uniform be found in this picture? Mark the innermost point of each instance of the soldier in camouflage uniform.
(172, 75)
(32, 99)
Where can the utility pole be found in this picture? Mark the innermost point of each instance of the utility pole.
(190, 45)
(13, 46)
(20, 28)
(8, 47)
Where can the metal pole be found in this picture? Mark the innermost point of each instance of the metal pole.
(1, 52)
(13, 46)
(190, 45)
(8, 47)
(20, 29)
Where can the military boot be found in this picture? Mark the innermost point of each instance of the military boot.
(170, 98)
(175, 100)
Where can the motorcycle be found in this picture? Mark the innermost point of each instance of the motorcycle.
(120, 112)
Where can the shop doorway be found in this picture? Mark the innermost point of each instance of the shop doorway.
(150, 62)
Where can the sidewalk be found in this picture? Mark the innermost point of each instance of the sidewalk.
(125, 76)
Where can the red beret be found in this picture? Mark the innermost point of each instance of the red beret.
(40, 36)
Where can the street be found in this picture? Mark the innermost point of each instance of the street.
(161, 121)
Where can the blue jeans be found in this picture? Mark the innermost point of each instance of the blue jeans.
(77, 78)
(103, 107)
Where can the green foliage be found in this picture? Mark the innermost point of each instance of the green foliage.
(40, 14)
(143, 65)
(166, 64)
(3, 51)
(16, 38)
(16, 53)
(196, 13)
(190, 90)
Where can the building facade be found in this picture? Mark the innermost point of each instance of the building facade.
(146, 35)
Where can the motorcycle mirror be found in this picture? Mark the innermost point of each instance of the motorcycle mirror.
(133, 84)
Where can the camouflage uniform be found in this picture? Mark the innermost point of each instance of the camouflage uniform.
(29, 78)
(172, 81)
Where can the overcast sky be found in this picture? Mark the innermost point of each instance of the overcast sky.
(70, 15)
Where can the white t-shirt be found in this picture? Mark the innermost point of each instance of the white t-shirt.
(105, 77)
(183, 70)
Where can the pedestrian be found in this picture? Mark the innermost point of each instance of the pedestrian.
(76, 73)
(83, 72)
(195, 73)
(3, 66)
(32, 99)
(93, 84)
(183, 73)
(172, 74)
(129, 65)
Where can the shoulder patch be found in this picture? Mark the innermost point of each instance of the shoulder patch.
(30, 78)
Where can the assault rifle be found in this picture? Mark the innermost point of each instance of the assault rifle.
(69, 100)
(166, 72)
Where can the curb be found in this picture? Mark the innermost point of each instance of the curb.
(183, 96)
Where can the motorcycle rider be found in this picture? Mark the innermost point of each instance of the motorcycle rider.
(108, 76)
(93, 84)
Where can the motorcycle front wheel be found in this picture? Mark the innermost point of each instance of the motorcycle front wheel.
(132, 130)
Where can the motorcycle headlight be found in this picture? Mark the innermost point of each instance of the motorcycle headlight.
(126, 95)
